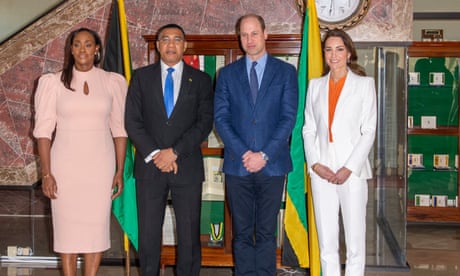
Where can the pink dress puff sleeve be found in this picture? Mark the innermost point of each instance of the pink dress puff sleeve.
(119, 89)
(45, 105)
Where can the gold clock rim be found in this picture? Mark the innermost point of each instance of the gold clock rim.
(350, 21)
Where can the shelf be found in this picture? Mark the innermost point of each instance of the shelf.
(433, 131)
(210, 256)
(433, 214)
(434, 49)
(212, 151)
(431, 169)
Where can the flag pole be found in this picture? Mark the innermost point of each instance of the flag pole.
(127, 70)
(300, 226)
(128, 259)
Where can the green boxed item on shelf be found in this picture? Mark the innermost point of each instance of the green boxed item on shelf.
(211, 212)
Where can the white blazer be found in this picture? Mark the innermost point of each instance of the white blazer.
(353, 127)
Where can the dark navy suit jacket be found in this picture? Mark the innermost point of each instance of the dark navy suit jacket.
(264, 126)
(149, 128)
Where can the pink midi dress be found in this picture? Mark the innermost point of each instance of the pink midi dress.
(83, 162)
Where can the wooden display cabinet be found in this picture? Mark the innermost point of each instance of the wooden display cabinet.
(433, 90)
(226, 46)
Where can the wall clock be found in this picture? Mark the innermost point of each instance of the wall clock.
(340, 14)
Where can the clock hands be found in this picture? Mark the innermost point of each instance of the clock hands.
(340, 13)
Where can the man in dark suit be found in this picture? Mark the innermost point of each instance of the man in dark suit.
(255, 108)
(169, 112)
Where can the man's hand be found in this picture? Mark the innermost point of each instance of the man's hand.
(253, 161)
(165, 161)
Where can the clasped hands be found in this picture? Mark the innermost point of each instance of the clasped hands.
(326, 173)
(165, 161)
(253, 161)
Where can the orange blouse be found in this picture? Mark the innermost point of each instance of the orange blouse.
(335, 88)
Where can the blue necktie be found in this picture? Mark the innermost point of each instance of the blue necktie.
(169, 92)
(253, 82)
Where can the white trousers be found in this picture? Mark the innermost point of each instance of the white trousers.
(351, 199)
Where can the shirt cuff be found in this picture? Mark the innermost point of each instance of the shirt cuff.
(150, 156)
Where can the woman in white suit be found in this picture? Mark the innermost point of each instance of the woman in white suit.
(339, 132)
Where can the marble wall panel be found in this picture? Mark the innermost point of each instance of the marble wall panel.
(10, 146)
(386, 21)
(39, 49)
(2, 93)
(19, 82)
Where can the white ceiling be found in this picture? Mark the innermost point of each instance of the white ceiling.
(17, 14)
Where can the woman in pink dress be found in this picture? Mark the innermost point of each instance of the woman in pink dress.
(79, 126)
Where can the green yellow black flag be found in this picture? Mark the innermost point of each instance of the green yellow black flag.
(117, 59)
(299, 217)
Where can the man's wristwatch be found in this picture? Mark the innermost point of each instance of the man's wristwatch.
(264, 156)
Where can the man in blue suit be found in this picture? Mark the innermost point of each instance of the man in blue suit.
(255, 108)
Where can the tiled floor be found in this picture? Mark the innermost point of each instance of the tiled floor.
(24, 221)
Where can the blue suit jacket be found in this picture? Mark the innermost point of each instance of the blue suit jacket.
(264, 126)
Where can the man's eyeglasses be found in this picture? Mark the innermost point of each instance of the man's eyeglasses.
(167, 39)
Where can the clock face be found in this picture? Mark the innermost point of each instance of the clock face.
(340, 13)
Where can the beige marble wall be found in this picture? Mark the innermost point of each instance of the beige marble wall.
(39, 49)
(386, 21)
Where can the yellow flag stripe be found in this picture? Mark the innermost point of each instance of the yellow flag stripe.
(315, 70)
(315, 263)
(124, 40)
(298, 234)
(315, 58)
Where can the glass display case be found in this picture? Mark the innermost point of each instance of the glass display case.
(433, 132)
(386, 217)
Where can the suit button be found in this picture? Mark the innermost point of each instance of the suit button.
(168, 123)
(254, 122)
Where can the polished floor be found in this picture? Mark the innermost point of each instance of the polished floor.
(429, 249)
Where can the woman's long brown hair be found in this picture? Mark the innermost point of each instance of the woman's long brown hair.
(69, 61)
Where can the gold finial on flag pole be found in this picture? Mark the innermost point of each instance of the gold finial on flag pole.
(301, 6)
